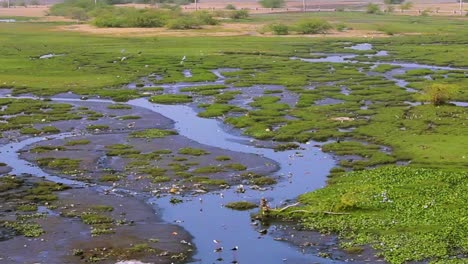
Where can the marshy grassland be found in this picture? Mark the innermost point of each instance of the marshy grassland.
(393, 114)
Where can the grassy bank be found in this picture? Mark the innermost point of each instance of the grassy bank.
(407, 214)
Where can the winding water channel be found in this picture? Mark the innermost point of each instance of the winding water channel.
(203, 215)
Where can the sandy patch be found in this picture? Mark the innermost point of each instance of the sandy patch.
(231, 29)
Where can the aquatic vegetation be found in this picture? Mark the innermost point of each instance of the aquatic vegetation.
(208, 181)
(223, 158)
(208, 169)
(152, 133)
(241, 205)
(287, 146)
(262, 181)
(171, 99)
(24, 228)
(64, 164)
(235, 166)
(120, 150)
(77, 142)
(119, 107)
(102, 208)
(42, 149)
(9, 182)
(30, 131)
(129, 117)
(193, 151)
(109, 178)
(97, 127)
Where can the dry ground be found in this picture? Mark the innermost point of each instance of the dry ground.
(231, 29)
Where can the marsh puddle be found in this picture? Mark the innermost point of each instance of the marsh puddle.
(361, 46)
(328, 101)
(462, 104)
(187, 73)
(50, 55)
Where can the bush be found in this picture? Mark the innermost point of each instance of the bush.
(230, 7)
(406, 6)
(272, 3)
(130, 17)
(341, 27)
(313, 26)
(393, 2)
(373, 9)
(183, 23)
(239, 14)
(204, 18)
(279, 29)
(425, 12)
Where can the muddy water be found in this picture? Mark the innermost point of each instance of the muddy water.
(206, 219)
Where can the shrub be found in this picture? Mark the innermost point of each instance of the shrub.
(406, 6)
(239, 14)
(183, 23)
(373, 9)
(272, 3)
(279, 29)
(230, 7)
(313, 26)
(425, 12)
(204, 18)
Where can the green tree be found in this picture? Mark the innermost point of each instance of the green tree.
(272, 3)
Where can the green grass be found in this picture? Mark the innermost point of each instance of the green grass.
(406, 213)
(152, 133)
(171, 99)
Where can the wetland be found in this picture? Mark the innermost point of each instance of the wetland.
(118, 149)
